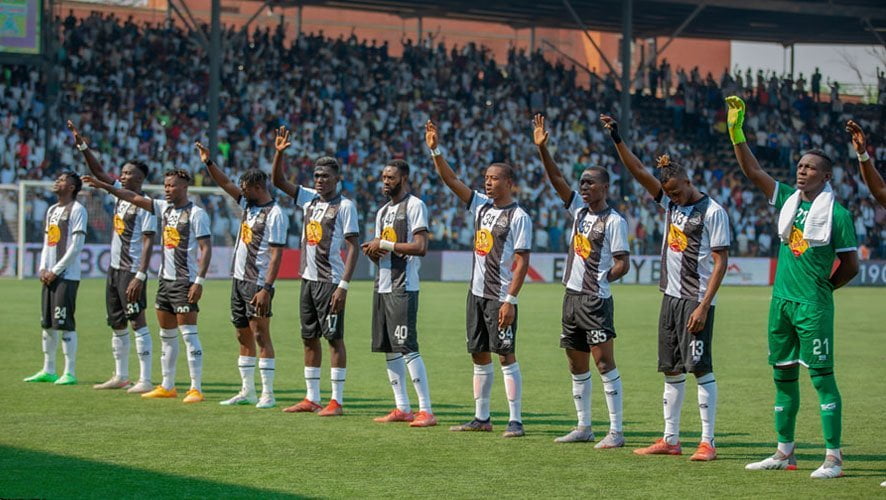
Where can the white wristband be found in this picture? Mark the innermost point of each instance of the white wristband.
(386, 245)
(199, 280)
(344, 285)
(510, 299)
(864, 156)
(436, 152)
(82, 146)
(141, 276)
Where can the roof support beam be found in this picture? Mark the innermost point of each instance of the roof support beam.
(201, 36)
(586, 30)
(627, 36)
(682, 27)
(261, 9)
(569, 58)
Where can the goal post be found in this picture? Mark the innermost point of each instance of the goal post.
(31, 199)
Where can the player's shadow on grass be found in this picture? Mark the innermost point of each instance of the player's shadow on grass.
(34, 474)
(236, 388)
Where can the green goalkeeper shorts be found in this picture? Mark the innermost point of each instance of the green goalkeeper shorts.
(801, 333)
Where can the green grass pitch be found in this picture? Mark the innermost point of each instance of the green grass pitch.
(77, 442)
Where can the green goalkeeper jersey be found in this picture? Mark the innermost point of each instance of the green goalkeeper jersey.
(803, 271)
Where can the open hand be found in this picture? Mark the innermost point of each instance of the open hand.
(281, 142)
(539, 134)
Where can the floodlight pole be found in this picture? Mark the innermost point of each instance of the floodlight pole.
(214, 76)
(51, 89)
(587, 34)
(532, 40)
(298, 14)
(419, 30)
(792, 61)
(627, 28)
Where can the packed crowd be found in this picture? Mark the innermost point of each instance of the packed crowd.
(139, 92)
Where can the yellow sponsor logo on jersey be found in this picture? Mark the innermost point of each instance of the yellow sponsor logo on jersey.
(245, 233)
(119, 225)
(171, 237)
(313, 232)
(483, 242)
(677, 240)
(389, 234)
(581, 245)
(53, 235)
(797, 243)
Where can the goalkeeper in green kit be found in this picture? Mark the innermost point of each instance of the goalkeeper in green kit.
(814, 231)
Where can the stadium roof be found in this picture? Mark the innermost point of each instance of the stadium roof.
(781, 21)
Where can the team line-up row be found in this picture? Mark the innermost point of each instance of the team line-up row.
(814, 230)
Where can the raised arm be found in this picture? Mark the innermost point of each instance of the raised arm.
(629, 160)
(869, 172)
(136, 199)
(91, 161)
(278, 177)
(216, 173)
(445, 172)
(540, 136)
(746, 160)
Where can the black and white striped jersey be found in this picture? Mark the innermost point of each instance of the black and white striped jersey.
(326, 226)
(130, 224)
(399, 223)
(692, 233)
(261, 227)
(180, 230)
(62, 222)
(597, 237)
(499, 233)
